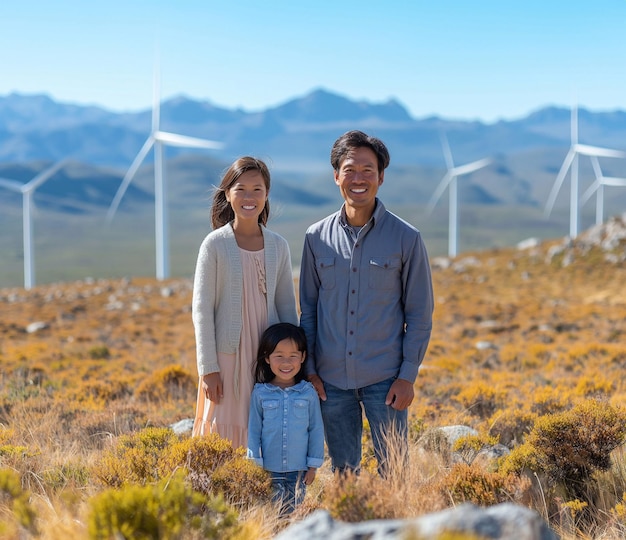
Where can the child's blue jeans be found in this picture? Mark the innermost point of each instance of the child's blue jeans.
(288, 489)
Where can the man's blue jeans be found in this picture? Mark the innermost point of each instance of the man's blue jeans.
(342, 413)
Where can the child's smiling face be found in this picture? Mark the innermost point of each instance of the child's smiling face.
(285, 362)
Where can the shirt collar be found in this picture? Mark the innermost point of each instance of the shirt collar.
(377, 214)
(295, 388)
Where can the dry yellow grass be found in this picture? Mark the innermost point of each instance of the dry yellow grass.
(516, 335)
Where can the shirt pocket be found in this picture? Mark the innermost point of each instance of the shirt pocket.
(384, 272)
(301, 408)
(270, 408)
(326, 272)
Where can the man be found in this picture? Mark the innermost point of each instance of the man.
(366, 300)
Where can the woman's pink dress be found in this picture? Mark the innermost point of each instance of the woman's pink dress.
(229, 418)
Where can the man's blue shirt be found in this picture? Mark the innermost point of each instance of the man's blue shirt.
(366, 299)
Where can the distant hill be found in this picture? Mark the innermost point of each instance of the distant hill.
(295, 138)
(500, 204)
(299, 131)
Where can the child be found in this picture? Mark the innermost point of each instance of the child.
(285, 431)
(243, 282)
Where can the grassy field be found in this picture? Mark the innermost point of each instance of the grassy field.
(528, 349)
(70, 247)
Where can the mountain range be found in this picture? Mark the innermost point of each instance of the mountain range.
(295, 138)
(501, 203)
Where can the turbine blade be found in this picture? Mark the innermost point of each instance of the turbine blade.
(471, 167)
(156, 96)
(612, 181)
(13, 185)
(174, 139)
(559, 180)
(132, 170)
(44, 175)
(596, 167)
(447, 153)
(587, 150)
(443, 184)
(589, 192)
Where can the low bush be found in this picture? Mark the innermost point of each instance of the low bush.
(168, 510)
(464, 483)
(567, 448)
(169, 383)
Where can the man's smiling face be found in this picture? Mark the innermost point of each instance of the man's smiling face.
(358, 178)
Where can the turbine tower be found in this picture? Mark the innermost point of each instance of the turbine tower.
(571, 162)
(598, 188)
(158, 139)
(27, 191)
(449, 181)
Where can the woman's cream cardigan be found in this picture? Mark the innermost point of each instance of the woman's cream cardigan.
(217, 293)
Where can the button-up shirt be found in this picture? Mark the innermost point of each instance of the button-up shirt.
(285, 430)
(366, 299)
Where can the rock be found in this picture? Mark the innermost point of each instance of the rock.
(453, 433)
(440, 263)
(500, 522)
(486, 456)
(527, 244)
(36, 326)
(183, 426)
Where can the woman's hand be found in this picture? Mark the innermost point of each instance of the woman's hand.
(213, 387)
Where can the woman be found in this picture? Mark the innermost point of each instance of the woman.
(243, 283)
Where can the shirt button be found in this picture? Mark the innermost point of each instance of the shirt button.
(353, 291)
(351, 332)
(349, 353)
(352, 312)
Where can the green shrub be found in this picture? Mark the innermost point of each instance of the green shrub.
(168, 510)
(512, 425)
(568, 447)
(215, 467)
(349, 502)
(166, 384)
(468, 446)
(619, 512)
(480, 399)
(464, 483)
(242, 481)
(11, 493)
(206, 453)
(66, 475)
(100, 352)
(138, 458)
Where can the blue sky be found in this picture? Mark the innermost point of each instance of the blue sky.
(481, 60)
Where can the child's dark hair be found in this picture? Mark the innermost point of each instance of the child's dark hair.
(269, 340)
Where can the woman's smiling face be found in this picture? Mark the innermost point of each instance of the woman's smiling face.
(248, 195)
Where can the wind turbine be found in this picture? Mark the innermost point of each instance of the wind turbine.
(27, 191)
(598, 188)
(449, 181)
(571, 161)
(158, 139)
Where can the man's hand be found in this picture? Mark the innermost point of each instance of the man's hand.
(318, 385)
(400, 395)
